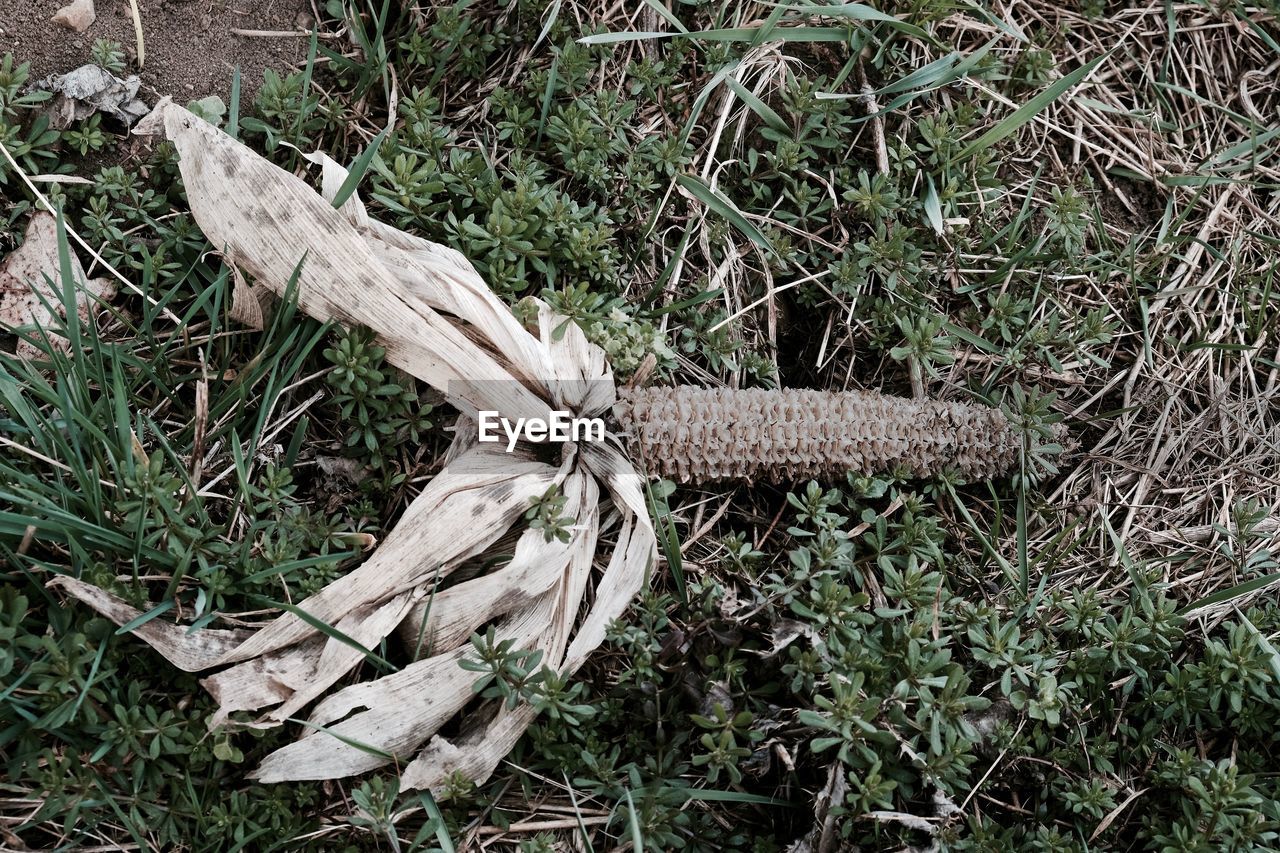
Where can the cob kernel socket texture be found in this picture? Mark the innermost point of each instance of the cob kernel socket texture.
(705, 435)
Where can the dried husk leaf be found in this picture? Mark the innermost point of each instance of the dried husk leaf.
(460, 512)
(30, 284)
(246, 303)
(446, 620)
(189, 652)
(259, 682)
(441, 324)
(445, 281)
(396, 726)
(271, 224)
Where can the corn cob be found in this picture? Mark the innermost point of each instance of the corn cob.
(704, 435)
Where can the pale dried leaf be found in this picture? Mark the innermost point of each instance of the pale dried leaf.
(152, 124)
(189, 651)
(463, 509)
(785, 632)
(474, 753)
(339, 470)
(484, 741)
(271, 223)
(581, 379)
(246, 302)
(258, 683)
(626, 573)
(440, 323)
(920, 824)
(417, 719)
(367, 625)
(92, 89)
(31, 276)
(332, 176)
(403, 709)
(444, 280)
(453, 614)
(61, 179)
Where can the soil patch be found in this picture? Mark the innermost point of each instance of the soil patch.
(190, 47)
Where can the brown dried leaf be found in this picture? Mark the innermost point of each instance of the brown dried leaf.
(30, 277)
(246, 302)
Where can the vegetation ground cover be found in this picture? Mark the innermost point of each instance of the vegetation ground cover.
(1066, 211)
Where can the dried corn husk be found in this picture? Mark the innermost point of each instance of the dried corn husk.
(440, 323)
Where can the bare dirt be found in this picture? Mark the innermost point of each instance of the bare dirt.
(190, 47)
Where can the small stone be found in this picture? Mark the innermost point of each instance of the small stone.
(77, 15)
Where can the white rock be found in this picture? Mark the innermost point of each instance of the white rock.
(78, 15)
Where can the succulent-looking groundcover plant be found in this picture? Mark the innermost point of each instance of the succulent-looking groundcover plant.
(440, 322)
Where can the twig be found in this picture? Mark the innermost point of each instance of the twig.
(869, 103)
(281, 34)
(544, 825)
(137, 32)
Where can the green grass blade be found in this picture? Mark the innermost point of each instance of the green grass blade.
(1231, 593)
(329, 631)
(725, 208)
(1273, 657)
(134, 624)
(863, 15)
(933, 207)
(366, 748)
(924, 77)
(233, 110)
(668, 538)
(633, 824)
(759, 107)
(432, 809)
(711, 795)
(358, 169)
(1030, 109)
(552, 14)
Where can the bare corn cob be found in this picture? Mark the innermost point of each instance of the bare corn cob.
(701, 435)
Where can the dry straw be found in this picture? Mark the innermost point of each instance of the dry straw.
(442, 324)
